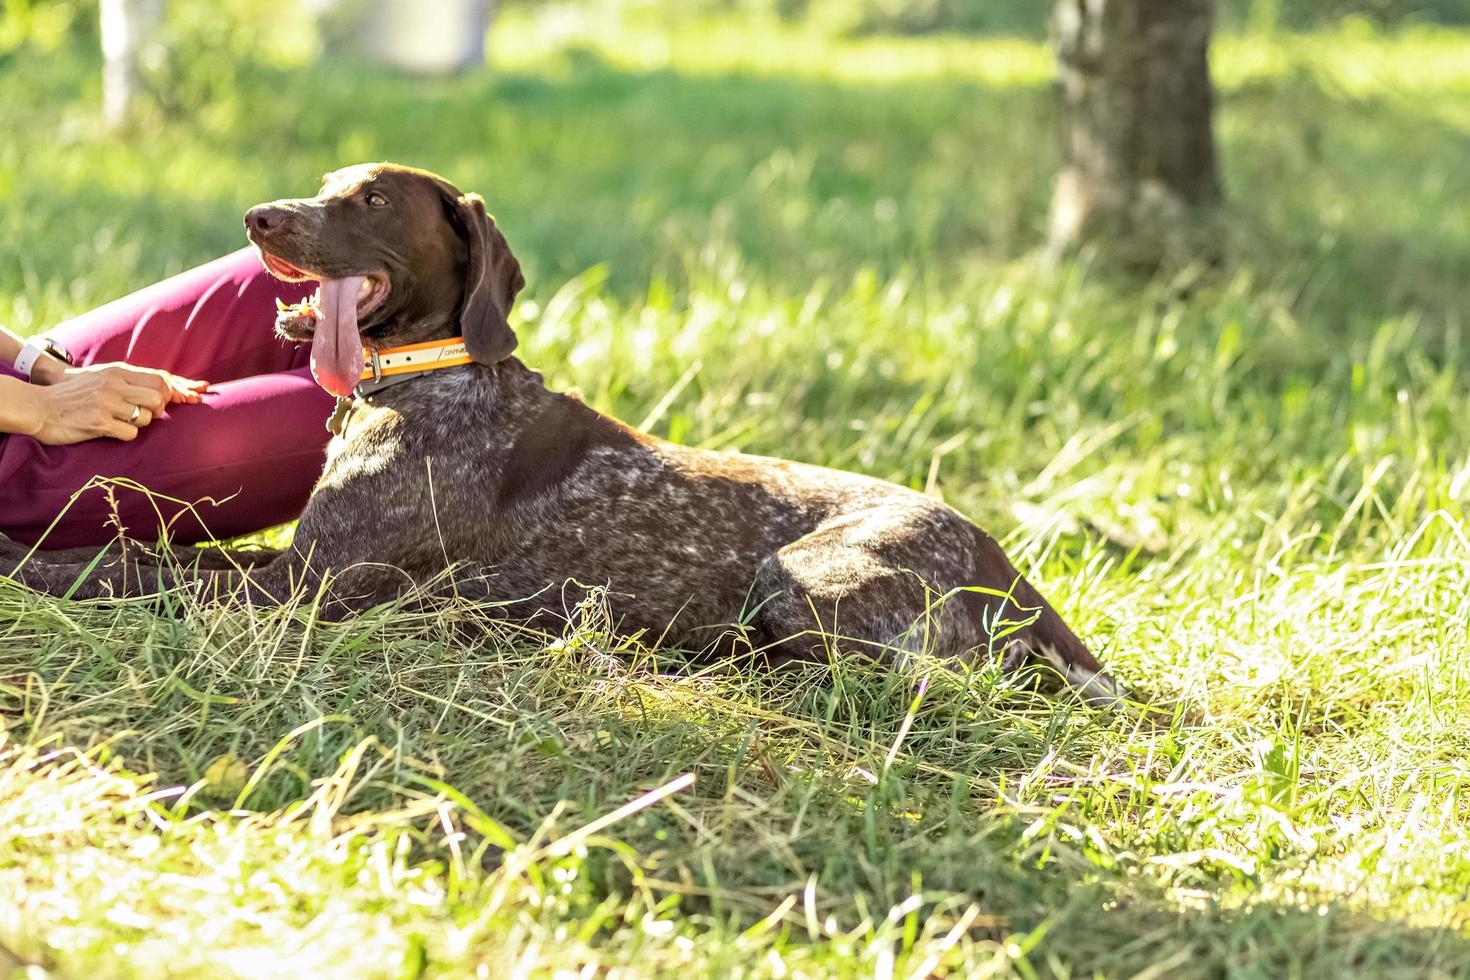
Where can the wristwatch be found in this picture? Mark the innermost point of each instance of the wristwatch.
(30, 353)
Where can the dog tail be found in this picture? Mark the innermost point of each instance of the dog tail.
(1047, 638)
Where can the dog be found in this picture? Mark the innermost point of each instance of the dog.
(450, 453)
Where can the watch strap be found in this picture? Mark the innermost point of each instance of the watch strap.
(32, 350)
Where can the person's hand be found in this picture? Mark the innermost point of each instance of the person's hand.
(50, 371)
(106, 400)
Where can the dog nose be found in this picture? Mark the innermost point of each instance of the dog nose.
(265, 218)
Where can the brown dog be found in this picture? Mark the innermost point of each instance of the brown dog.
(537, 501)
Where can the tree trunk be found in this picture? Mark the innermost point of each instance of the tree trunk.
(125, 26)
(1138, 174)
(428, 36)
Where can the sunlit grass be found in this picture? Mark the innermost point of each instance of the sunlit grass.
(1360, 60)
(1247, 489)
(719, 47)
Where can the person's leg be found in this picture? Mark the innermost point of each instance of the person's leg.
(254, 447)
(246, 459)
(213, 323)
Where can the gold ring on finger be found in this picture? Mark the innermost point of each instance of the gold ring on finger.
(137, 414)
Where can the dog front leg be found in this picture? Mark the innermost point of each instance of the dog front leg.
(102, 577)
(211, 557)
(126, 568)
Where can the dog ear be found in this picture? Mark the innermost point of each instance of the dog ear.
(492, 278)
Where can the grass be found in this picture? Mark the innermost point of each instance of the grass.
(1246, 488)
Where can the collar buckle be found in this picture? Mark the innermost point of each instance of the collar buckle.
(376, 364)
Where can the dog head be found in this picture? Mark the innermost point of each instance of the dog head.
(402, 257)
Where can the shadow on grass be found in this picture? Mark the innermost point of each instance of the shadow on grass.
(829, 781)
(583, 165)
(662, 177)
(669, 178)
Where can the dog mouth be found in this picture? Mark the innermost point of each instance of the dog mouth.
(370, 295)
(329, 319)
(297, 321)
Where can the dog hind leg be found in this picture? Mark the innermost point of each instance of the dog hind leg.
(898, 580)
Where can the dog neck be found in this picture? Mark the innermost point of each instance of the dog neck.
(509, 380)
(389, 366)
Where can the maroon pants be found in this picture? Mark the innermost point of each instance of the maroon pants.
(243, 460)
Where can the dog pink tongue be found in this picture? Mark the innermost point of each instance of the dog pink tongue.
(336, 347)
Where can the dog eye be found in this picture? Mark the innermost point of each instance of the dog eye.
(376, 200)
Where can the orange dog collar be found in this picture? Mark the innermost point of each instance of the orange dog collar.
(430, 355)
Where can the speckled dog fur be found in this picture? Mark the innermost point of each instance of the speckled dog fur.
(536, 499)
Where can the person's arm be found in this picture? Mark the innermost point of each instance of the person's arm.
(45, 371)
(19, 412)
(10, 346)
(66, 404)
(88, 406)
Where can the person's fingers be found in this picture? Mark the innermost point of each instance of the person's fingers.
(170, 387)
(115, 429)
(159, 382)
(125, 373)
(186, 390)
(153, 399)
(130, 412)
(156, 381)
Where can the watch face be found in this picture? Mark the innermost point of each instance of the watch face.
(57, 351)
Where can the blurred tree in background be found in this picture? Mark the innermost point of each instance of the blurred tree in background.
(1029, 17)
(197, 46)
(1135, 120)
(170, 56)
(126, 27)
(291, 23)
(1137, 160)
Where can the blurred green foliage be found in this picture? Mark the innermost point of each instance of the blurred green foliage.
(1028, 17)
(196, 57)
(195, 53)
(1249, 488)
(1300, 14)
(213, 37)
(44, 24)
